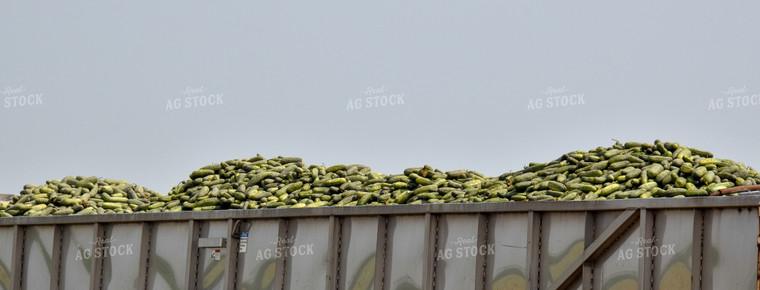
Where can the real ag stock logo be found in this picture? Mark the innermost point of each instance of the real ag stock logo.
(646, 248)
(285, 248)
(734, 98)
(375, 98)
(103, 248)
(194, 98)
(555, 98)
(16, 97)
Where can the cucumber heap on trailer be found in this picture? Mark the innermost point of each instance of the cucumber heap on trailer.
(630, 170)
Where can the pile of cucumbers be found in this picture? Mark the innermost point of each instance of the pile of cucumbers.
(630, 170)
(81, 195)
(287, 182)
(624, 170)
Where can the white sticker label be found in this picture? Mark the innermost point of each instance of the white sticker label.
(243, 243)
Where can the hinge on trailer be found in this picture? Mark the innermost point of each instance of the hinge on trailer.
(237, 229)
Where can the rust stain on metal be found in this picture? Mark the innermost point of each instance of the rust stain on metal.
(730, 190)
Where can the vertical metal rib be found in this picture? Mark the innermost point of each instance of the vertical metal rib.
(646, 232)
(98, 233)
(381, 252)
(282, 234)
(588, 268)
(696, 249)
(191, 272)
(55, 279)
(482, 243)
(534, 249)
(431, 226)
(333, 245)
(233, 241)
(144, 263)
(17, 268)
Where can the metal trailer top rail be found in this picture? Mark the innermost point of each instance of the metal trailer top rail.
(744, 200)
(658, 243)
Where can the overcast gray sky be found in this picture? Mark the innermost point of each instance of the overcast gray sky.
(148, 92)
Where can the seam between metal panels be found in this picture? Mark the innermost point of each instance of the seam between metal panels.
(593, 234)
(23, 260)
(435, 248)
(338, 258)
(284, 259)
(385, 252)
(60, 252)
(538, 244)
(651, 261)
(234, 281)
(485, 259)
(197, 255)
(237, 259)
(102, 230)
(701, 247)
(147, 260)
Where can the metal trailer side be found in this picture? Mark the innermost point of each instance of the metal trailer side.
(686, 243)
